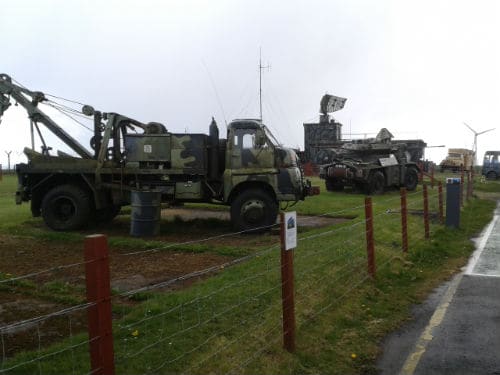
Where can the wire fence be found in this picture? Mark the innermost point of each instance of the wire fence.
(236, 315)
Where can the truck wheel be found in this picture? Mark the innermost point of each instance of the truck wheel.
(491, 175)
(253, 209)
(411, 179)
(333, 186)
(66, 207)
(376, 183)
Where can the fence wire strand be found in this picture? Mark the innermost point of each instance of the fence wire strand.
(335, 270)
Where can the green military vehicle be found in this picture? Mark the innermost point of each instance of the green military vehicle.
(249, 171)
(371, 166)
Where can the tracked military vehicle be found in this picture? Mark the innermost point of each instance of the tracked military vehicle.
(371, 166)
(249, 170)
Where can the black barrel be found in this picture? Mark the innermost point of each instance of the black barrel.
(146, 213)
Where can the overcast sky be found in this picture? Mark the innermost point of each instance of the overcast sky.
(419, 68)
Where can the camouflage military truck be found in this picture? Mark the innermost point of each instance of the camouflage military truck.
(249, 170)
(457, 159)
(370, 166)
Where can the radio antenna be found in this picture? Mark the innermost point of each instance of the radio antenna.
(260, 80)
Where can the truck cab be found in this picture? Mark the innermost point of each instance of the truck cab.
(491, 165)
(258, 174)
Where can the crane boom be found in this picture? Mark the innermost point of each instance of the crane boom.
(20, 95)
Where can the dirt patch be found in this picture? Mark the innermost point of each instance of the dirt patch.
(19, 301)
(24, 255)
(31, 335)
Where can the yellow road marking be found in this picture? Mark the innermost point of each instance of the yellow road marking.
(427, 335)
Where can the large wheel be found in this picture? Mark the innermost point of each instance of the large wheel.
(491, 175)
(332, 185)
(253, 210)
(66, 207)
(376, 183)
(411, 179)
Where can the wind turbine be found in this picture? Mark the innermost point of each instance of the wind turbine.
(475, 140)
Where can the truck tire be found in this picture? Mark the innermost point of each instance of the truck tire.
(253, 210)
(411, 179)
(66, 207)
(376, 183)
(331, 185)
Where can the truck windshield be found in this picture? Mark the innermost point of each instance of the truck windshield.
(491, 157)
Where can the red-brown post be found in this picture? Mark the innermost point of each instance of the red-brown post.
(472, 182)
(404, 220)
(99, 313)
(287, 291)
(426, 212)
(440, 202)
(370, 244)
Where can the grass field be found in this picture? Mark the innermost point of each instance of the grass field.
(231, 321)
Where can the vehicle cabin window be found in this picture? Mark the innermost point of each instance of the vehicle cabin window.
(494, 159)
(244, 138)
(248, 141)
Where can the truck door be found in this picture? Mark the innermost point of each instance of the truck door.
(251, 152)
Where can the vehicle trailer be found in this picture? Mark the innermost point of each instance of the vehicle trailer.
(248, 171)
(371, 166)
(491, 165)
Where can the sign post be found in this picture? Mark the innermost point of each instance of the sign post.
(288, 235)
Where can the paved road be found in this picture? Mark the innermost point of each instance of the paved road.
(457, 330)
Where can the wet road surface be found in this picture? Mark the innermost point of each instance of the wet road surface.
(457, 330)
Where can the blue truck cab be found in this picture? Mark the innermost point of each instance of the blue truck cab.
(491, 165)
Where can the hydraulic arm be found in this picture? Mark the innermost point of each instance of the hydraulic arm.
(29, 100)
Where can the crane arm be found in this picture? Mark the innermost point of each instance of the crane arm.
(19, 94)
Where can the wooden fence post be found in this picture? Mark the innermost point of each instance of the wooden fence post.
(287, 291)
(440, 202)
(404, 220)
(426, 213)
(472, 177)
(469, 185)
(370, 245)
(100, 329)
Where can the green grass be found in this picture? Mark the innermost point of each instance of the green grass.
(232, 321)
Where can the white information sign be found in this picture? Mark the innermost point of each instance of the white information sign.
(290, 230)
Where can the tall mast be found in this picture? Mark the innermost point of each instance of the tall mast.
(260, 81)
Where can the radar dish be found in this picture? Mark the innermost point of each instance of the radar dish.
(331, 103)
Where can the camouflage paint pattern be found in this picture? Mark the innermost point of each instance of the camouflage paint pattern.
(189, 152)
